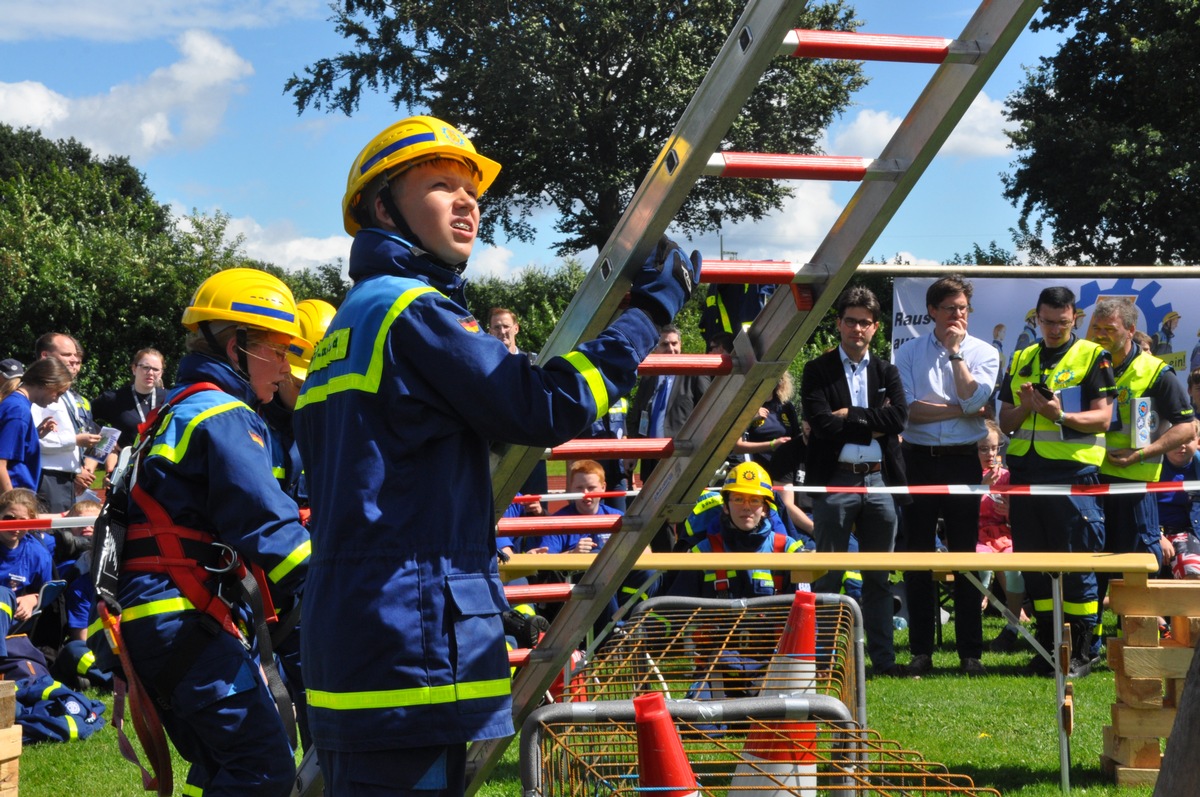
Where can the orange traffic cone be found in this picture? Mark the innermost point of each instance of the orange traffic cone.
(663, 768)
(793, 668)
(780, 759)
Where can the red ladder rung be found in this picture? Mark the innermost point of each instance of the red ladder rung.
(771, 166)
(538, 593)
(625, 448)
(866, 46)
(552, 524)
(747, 272)
(686, 365)
(518, 657)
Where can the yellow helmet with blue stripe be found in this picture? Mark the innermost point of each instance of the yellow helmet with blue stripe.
(315, 316)
(749, 478)
(246, 297)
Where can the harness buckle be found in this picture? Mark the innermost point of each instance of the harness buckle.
(226, 552)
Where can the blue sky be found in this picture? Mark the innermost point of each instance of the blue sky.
(193, 94)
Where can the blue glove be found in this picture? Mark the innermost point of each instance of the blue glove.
(665, 281)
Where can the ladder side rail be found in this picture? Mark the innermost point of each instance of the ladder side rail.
(735, 73)
(939, 108)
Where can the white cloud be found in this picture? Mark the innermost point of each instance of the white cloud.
(135, 20)
(980, 133)
(177, 107)
(791, 234)
(866, 135)
(492, 261)
(280, 244)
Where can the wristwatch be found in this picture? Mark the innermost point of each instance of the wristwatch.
(954, 357)
(1062, 416)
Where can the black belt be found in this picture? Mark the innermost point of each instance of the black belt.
(859, 467)
(964, 450)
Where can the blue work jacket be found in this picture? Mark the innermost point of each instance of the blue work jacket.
(403, 644)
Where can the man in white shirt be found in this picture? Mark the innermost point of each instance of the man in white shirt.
(948, 379)
(65, 471)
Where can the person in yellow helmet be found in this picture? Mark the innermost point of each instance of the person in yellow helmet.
(403, 398)
(745, 527)
(209, 527)
(1161, 341)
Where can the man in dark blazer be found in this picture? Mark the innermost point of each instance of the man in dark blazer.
(664, 418)
(855, 404)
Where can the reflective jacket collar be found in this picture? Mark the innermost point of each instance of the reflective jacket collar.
(377, 251)
(204, 368)
(745, 541)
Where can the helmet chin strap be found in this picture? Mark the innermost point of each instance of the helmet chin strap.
(401, 225)
(242, 366)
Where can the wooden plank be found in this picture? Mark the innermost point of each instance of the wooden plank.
(1140, 752)
(1132, 776)
(1159, 597)
(8, 703)
(1160, 662)
(1139, 692)
(940, 562)
(1140, 631)
(1129, 721)
(1114, 649)
(10, 743)
(1185, 630)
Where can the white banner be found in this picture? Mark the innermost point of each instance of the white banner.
(1004, 312)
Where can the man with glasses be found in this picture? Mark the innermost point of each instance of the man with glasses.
(855, 404)
(1131, 521)
(948, 379)
(1057, 403)
(66, 472)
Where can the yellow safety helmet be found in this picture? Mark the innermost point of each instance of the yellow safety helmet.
(749, 478)
(1032, 314)
(315, 316)
(246, 297)
(1171, 316)
(403, 145)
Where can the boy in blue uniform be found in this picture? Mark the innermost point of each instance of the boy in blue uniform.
(403, 398)
(205, 503)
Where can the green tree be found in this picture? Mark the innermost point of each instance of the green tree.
(576, 99)
(994, 255)
(1108, 135)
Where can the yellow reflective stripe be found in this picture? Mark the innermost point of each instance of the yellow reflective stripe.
(280, 571)
(73, 725)
(95, 627)
(1043, 605)
(164, 606)
(416, 696)
(279, 473)
(178, 452)
(851, 575)
(368, 382)
(4, 607)
(85, 663)
(1081, 609)
(49, 690)
(591, 375)
(190, 790)
(525, 609)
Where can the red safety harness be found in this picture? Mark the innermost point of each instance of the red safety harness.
(721, 584)
(212, 577)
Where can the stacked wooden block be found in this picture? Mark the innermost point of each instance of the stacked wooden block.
(10, 739)
(1150, 668)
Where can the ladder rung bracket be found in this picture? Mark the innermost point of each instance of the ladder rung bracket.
(552, 524)
(805, 297)
(686, 365)
(747, 272)
(799, 167)
(847, 45)
(538, 593)
(625, 448)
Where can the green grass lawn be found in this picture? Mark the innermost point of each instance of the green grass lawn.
(999, 729)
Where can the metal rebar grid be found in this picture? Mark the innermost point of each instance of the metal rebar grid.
(591, 750)
(719, 649)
